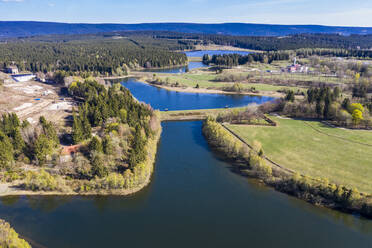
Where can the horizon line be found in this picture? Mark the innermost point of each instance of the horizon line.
(172, 22)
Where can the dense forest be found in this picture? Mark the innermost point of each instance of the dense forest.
(237, 59)
(101, 56)
(328, 103)
(114, 139)
(115, 53)
(345, 53)
(274, 43)
(31, 28)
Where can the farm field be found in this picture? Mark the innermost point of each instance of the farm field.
(314, 149)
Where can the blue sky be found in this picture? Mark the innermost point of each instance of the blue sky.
(327, 12)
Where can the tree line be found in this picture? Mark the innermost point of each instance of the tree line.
(344, 53)
(105, 57)
(21, 142)
(326, 103)
(107, 109)
(274, 43)
(237, 59)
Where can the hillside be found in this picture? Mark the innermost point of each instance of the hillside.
(24, 28)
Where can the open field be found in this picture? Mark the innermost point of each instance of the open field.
(314, 149)
(30, 100)
(208, 80)
(199, 114)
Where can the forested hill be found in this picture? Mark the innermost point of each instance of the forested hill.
(24, 28)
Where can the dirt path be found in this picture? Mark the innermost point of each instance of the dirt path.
(335, 136)
(250, 147)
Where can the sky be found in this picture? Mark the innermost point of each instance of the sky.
(324, 12)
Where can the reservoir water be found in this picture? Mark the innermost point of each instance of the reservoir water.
(201, 53)
(194, 200)
(193, 64)
(164, 99)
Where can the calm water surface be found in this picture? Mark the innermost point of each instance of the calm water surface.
(214, 52)
(164, 99)
(195, 65)
(194, 200)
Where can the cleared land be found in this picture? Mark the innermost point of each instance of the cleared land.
(30, 100)
(314, 149)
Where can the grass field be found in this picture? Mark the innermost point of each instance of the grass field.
(316, 150)
(207, 80)
(199, 113)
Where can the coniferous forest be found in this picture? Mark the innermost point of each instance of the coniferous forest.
(102, 56)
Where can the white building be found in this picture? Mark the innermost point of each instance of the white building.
(12, 69)
(23, 77)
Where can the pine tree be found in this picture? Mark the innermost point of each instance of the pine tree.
(6, 151)
(107, 145)
(42, 148)
(17, 141)
(95, 145)
(77, 131)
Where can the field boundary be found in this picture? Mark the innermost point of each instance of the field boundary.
(336, 136)
(265, 157)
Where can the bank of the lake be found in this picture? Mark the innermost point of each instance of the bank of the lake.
(9, 238)
(194, 200)
(210, 91)
(15, 188)
(214, 47)
(162, 99)
(252, 162)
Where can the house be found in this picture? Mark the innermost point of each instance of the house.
(12, 69)
(297, 68)
(68, 152)
(23, 77)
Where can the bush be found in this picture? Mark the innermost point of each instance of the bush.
(9, 238)
(43, 181)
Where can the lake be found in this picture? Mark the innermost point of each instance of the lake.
(195, 65)
(194, 200)
(201, 53)
(164, 99)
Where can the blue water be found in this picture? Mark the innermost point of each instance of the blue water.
(193, 200)
(181, 69)
(214, 52)
(194, 65)
(163, 99)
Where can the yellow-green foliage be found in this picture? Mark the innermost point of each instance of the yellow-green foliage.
(220, 137)
(339, 193)
(232, 147)
(357, 116)
(259, 165)
(314, 149)
(44, 181)
(11, 176)
(131, 178)
(356, 106)
(9, 238)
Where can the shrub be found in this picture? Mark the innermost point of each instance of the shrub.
(9, 238)
(43, 181)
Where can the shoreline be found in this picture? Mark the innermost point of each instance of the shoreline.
(214, 47)
(283, 180)
(210, 91)
(150, 162)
